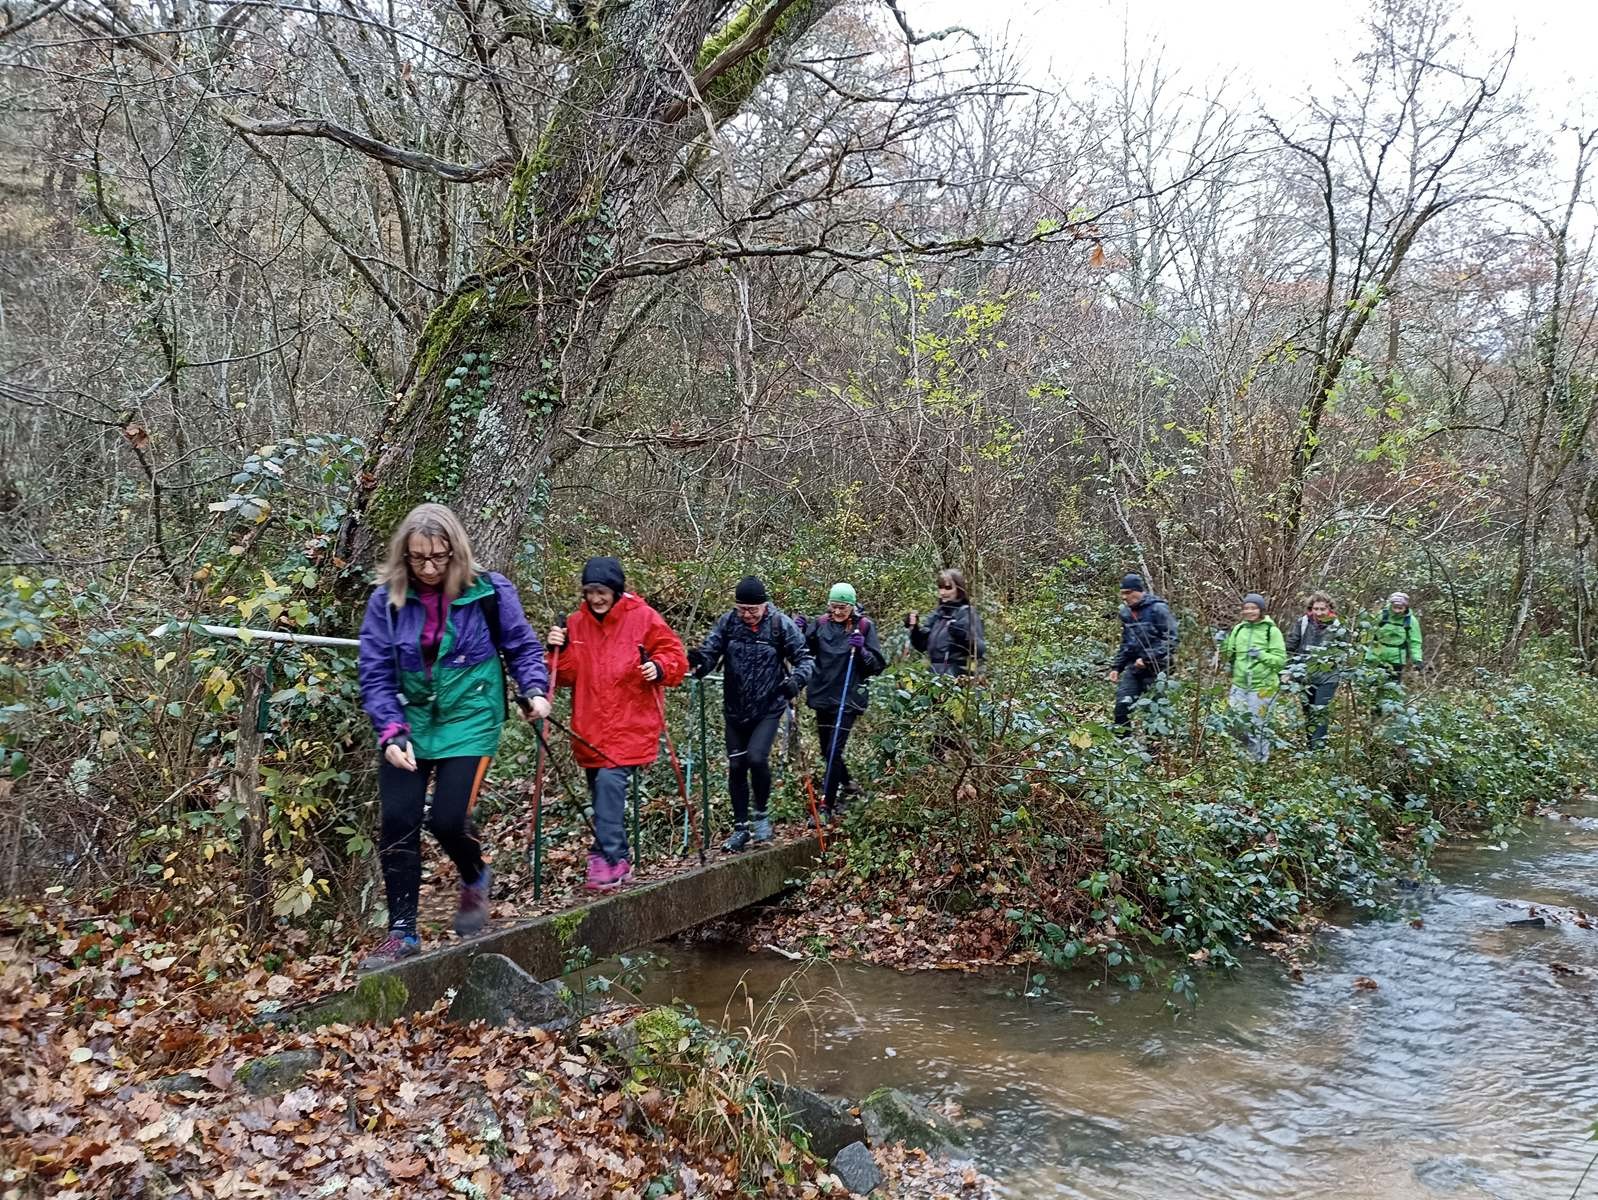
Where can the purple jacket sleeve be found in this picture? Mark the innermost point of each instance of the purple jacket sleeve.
(380, 687)
(523, 652)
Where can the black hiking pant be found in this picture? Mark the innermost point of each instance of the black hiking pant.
(826, 724)
(1133, 683)
(403, 796)
(1318, 697)
(749, 758)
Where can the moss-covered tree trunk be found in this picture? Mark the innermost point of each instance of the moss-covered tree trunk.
(500, 361)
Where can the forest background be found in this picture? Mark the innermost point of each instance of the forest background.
(808, 288)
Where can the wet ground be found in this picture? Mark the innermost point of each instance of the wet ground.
(1469, 1070)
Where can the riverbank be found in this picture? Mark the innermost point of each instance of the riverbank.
(1044, 839)
(137, 1064)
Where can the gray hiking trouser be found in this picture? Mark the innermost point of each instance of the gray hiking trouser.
(1256, 740)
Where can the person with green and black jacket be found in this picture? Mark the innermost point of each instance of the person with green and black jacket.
(1256, 653)
(1315, 646)
(437, 630)
(951, 636)
(765, 665)
(1397, 637)
(843, 641)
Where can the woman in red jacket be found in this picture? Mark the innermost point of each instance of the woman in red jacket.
(616, 655)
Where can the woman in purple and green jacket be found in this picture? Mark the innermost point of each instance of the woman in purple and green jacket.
(435, 631)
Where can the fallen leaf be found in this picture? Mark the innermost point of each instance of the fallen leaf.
(1364, 983)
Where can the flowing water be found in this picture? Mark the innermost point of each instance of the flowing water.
(1471, 1070)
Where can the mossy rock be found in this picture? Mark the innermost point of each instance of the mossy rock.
(277, 1073)
(890, 1116)
(375, 1000)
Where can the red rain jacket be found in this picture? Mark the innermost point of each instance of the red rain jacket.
(612, 706)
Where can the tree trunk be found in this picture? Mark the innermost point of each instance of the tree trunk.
(502, 359)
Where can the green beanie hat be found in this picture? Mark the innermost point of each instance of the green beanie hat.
(842, 593)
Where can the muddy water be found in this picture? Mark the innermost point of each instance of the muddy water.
(1470, 1071)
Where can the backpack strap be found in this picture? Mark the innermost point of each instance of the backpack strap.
(490, 606)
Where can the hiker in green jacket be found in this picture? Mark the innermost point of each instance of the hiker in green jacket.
(1256, 654)
(1397, 637)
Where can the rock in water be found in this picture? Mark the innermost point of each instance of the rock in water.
(499, 992)
(830, 1122)
(857, 1168)
(894, 1116)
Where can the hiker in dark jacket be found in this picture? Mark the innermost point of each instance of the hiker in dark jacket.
(765, 666)
(1148, 646)
(842, 641)
(951, 636)
(1315, 646)
(431, 681)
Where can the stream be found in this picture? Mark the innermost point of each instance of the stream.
(1471, 1070)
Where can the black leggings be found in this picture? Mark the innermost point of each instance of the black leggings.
(749, 755)
(403, 795)
(826, 722)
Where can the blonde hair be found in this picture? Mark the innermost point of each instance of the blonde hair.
(428, 521)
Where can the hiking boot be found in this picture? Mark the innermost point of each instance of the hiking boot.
(761, 828)
(738, 842)
(826, 818)
(608, 876)
(472, 914)
(399, 944)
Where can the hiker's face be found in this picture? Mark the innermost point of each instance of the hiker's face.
(428, 558)
(750, 614)
(1321, 610)
(948, 592)
(1251, 612)
(598, 598)
(840, 612)
(1131, 598)
(1400, 606)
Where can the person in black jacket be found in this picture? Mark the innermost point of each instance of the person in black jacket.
(1148, 644)
(766, 666)
(952, 634)
(842, 640)
(1316, 643)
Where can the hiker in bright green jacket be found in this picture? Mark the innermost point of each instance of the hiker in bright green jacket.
(1397, 637)
(1256, 654)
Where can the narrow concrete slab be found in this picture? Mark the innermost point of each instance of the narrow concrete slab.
(609, 925)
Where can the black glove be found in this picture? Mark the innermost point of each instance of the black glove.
(697, 664)
(790, 688)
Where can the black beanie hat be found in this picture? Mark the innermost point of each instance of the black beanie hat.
(1133, 583)
(605, 572)
(750, 591)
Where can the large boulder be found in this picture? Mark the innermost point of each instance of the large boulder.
(894, 1116)
(831, 1123)
(499, 992)
(857, 1168)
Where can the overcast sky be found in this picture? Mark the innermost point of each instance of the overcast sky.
(1272, 50)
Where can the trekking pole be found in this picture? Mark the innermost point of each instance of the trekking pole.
(810, 784)
(837, 724)
(671, 753)
(538, 783)
(704, 772)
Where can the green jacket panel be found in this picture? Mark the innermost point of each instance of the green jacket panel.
(1397, 639)
(459, 711)
(1262, 674)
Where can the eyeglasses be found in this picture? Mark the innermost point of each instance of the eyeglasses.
(749, 610)
(429, 560)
